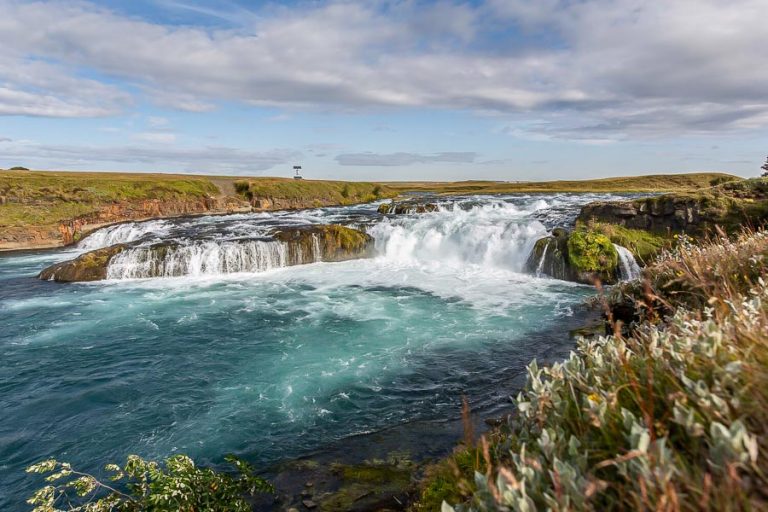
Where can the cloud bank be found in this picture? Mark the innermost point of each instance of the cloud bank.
(592, 70)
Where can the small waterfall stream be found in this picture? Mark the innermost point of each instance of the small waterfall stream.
(628, 267)
(540, 266)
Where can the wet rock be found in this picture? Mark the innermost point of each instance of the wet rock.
(407, 208)
(91, 266)
(582, 256)
(334, 243)
(309, 504)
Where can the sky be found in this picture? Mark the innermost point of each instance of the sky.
(386, 89)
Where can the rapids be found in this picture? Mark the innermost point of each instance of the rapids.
(236, 354)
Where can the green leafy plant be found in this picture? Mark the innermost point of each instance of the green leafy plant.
(141, 485)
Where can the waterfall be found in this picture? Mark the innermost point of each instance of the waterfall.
(628, 267)
(317, 253)
(123, 233)
(540, 266)
(198, 259)
(496, 235)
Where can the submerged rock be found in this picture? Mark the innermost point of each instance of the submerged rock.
(583, 256)
(287, 247)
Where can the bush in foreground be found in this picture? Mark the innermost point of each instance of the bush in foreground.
(140, 485)
(673, 417)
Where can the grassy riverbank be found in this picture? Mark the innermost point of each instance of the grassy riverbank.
(671, 416)
(652, 183)
(48, 209)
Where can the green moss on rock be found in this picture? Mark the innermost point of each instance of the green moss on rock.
(644, 245)
(590, 252)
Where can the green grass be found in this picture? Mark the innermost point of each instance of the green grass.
(324, 192)
(46, 198)
(649, 183)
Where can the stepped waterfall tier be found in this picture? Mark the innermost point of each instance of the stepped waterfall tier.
(202, 339)
(286, 246)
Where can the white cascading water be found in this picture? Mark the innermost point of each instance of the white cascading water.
(540, 266)
(122, 233)
(497, 235)
(487, 233)
(199, 259)
(628, 267)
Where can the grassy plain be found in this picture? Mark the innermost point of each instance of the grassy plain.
(649, 183)
(44, 199)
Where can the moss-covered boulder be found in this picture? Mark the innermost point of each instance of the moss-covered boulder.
(583, 256)
(91, 266)
(324, 242)
(591, 256)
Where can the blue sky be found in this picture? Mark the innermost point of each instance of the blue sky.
(385, 89)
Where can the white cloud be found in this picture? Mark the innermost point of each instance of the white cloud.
(155, 137)
(158, 122)
(398, 159)
(619, 68)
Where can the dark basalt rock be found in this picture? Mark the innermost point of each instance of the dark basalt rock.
(408, 207)
(728, 206)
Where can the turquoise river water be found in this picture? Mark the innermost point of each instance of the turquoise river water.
(278, 362)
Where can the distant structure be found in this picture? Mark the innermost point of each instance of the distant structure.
(297, 169)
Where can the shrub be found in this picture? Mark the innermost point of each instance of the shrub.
(140, 485)
(673, 417)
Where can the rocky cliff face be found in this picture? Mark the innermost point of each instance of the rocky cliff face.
(728, 206)
(288, 247)
(665, 213)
